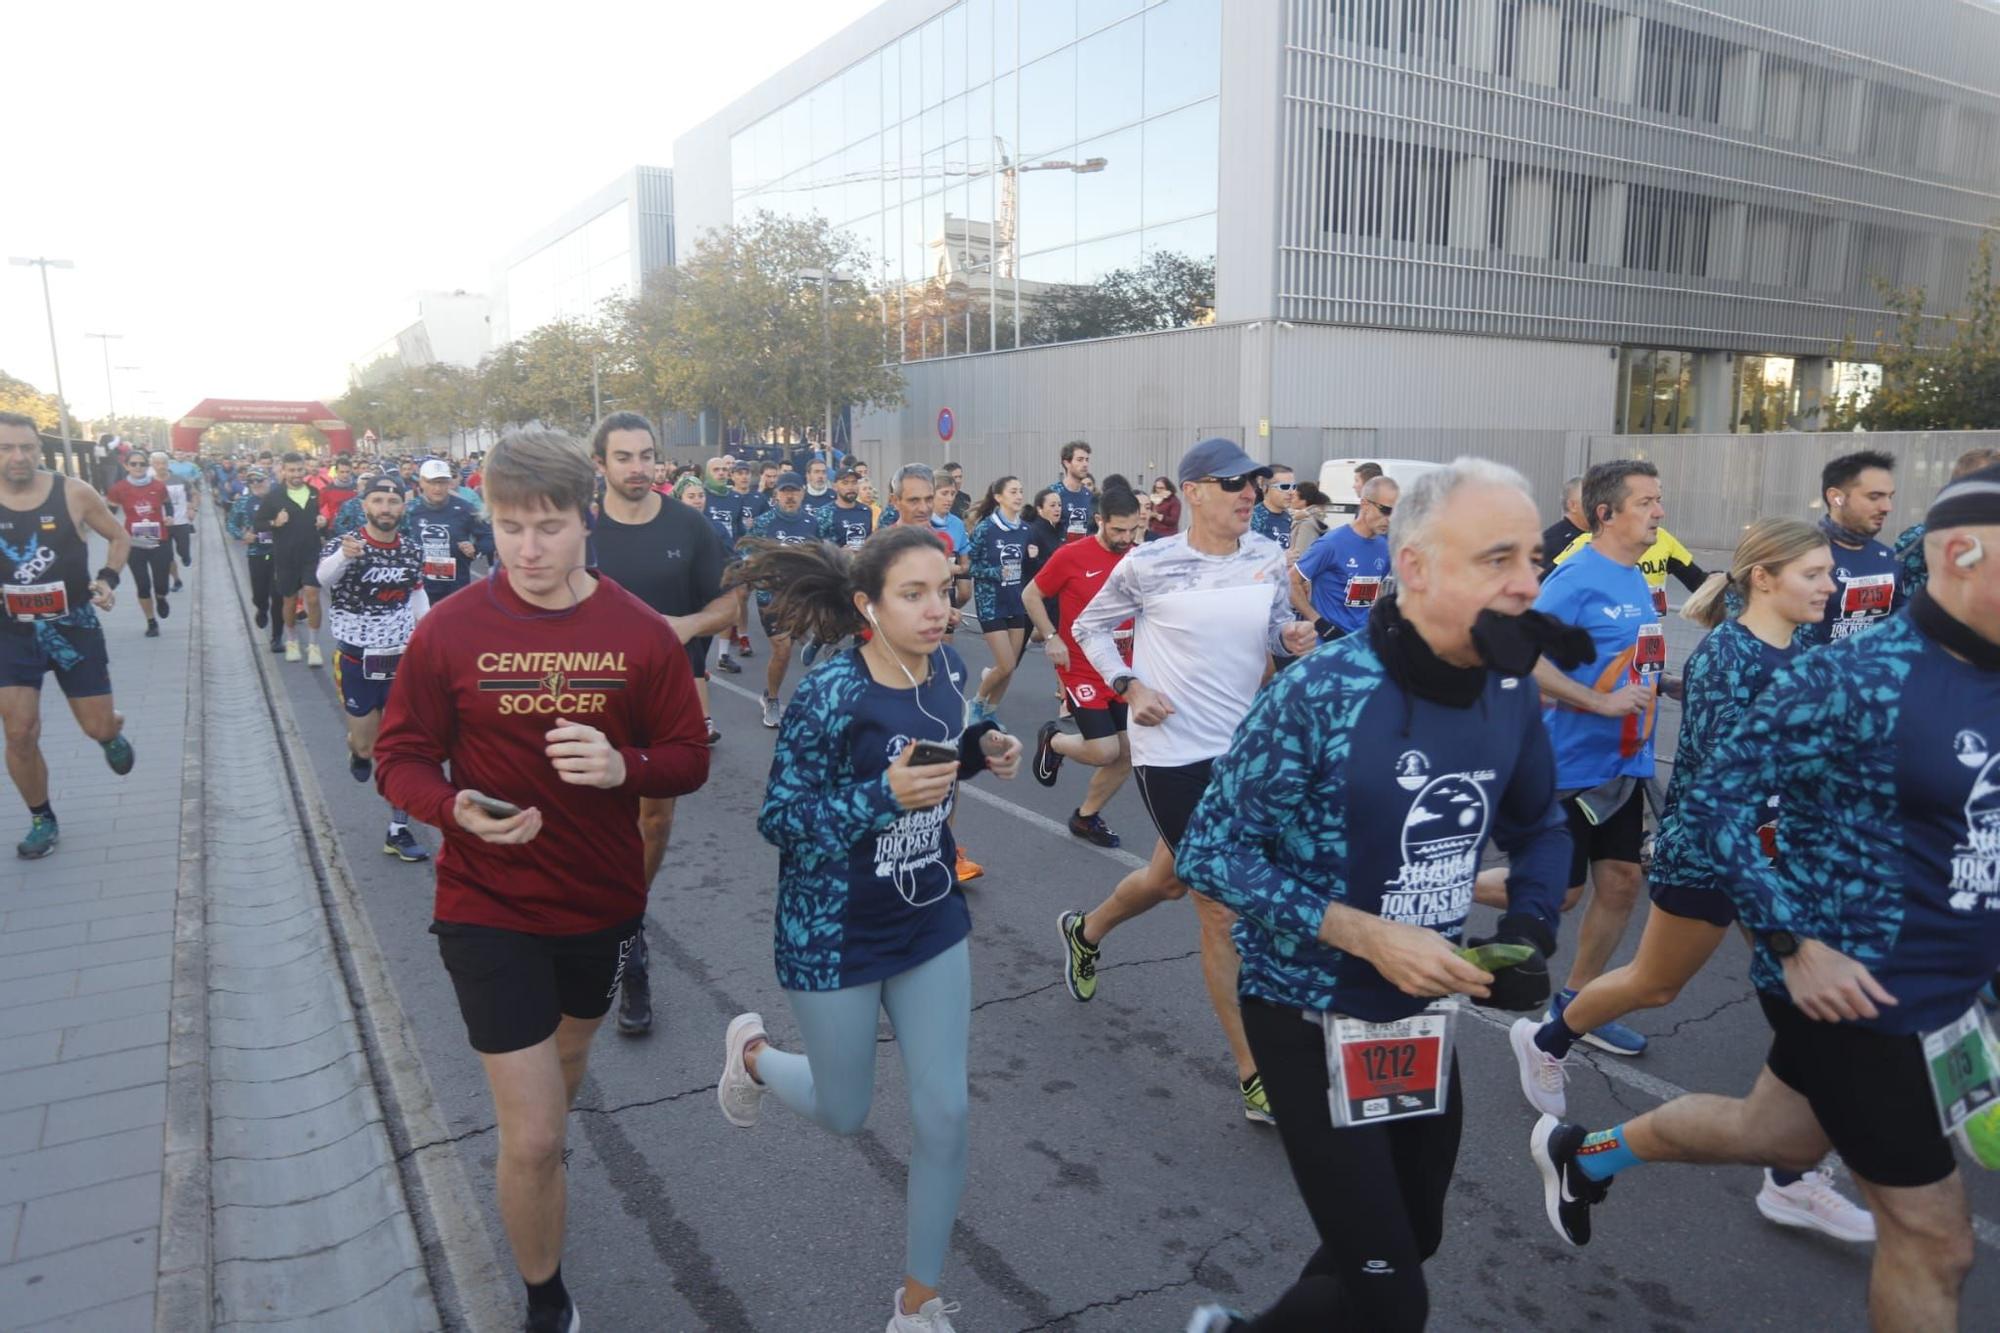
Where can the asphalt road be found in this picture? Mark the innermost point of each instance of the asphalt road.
(1114, 1183)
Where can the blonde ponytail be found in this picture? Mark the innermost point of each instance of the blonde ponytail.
(1769, 544)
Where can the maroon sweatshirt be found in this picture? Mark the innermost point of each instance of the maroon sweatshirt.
(481, 684)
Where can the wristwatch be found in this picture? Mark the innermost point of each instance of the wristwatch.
(1782, 943)
(1119, 683)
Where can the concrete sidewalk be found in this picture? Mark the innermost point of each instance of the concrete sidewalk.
(86, 971)
(189, 1132)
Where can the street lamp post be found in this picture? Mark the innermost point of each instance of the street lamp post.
(62, 403)
(104, 340)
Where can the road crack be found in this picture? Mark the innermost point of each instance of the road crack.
(479, 1130)
(1193, 1276)
(1716, 1012)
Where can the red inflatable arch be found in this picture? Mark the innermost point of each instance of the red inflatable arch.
(213, 411)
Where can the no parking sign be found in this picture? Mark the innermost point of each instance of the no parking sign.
(947, 423)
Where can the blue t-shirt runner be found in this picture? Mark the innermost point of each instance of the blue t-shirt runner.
(1613, 604)
(1079, 512)
(997, 555)
(1867, 587)
(1266, 522)
(1346, 572)
(846, 527)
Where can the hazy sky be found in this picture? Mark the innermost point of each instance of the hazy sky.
(252, 193)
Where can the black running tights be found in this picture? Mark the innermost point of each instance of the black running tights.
(1375, 1193)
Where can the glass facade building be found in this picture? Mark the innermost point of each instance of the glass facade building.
(1715, 190)
(603, 247)
(1013, 171)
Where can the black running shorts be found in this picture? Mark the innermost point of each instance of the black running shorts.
(291, 572)
(1869, 1091)
(76, 653)
(514, 988)
(1096, 724)
(1170, 793)
(1616, 839)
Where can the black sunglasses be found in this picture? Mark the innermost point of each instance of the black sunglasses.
(1235, 484)
(1386, 509)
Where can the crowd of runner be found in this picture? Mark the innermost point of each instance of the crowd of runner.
(1283, 679)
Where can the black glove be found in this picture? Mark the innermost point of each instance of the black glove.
(1524, 986)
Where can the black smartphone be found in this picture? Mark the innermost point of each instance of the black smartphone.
(926, 753)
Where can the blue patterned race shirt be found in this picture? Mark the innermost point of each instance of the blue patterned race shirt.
(1343, 787)
(1884, 750)
(1723, 677)
(997, 554)
(866, 889)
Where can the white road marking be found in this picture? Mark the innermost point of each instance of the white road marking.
(1987, 1233)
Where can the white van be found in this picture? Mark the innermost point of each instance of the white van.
(1336, 478)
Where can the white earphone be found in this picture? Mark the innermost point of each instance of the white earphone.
(1971, 555)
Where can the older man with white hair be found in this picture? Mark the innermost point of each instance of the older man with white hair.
(1344, 828)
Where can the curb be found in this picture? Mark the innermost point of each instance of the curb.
(184, 1291)
(472, 1289)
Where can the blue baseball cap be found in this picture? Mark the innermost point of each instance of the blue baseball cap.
(1219, 458)
(790, 481)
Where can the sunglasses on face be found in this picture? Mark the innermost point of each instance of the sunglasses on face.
(1386, 510)
(1284, 485)
(1233, 484)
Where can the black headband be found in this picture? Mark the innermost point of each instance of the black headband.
(1973, 501)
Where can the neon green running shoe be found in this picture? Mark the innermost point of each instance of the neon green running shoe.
(41, 839)
(1079, 958)
(1256, 1106)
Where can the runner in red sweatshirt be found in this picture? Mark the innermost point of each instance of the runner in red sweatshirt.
(560, 693)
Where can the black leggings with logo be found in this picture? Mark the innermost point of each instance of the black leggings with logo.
(1376, 1193)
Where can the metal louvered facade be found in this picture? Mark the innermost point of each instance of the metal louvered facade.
(1736, 174)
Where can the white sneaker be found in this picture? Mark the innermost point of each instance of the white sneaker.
(1542, 1075)
(313, 658)
(1813, 1203)
(291, 650)
(772, 712)
(740, 1094)
(1212, 1319)
(932, 1317)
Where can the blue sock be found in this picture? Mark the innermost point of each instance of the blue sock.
(1783, 1178)
(1604, 1154)
(1556, 1038)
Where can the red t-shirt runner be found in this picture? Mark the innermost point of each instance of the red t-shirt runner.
(144, 508)
(485, 678)
(1072, 576)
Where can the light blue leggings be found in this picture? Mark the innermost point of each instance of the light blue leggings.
(930, 1008)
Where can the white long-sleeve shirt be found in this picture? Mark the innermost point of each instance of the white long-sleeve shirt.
(1205, 627)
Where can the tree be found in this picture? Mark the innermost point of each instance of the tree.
(740, 329)
(1169, 291)
(18, 395)
(1925, 386)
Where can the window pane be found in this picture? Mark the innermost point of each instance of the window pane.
(892, 84)
(978, 42)
(912, 47)
(1097, 259)
(1048, 210)
(954, 119)
(933, 57)
(1108, 79)
(1192, 239)
(1051, 266)
(1094, 14)
(1006, 124)
(979, 128)
(1180, 165)
(798, 135)
(1048, 104)
(1006, 47)
(954, 51)
(1183, 53)
(1107, 201)
(861, 97)
(1046, 25)
(827, 119)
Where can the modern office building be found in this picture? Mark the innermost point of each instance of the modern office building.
(449, 328)
(1302, 221)
(603, 247)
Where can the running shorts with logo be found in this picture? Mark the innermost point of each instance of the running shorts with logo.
(76, 653)
(1096, 719)
(1171, 792)
(1617, 838)
(515, 988)
(359, 692)
(1869, 1090)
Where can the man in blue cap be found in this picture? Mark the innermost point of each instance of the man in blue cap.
(1211, 607)
(787, 521)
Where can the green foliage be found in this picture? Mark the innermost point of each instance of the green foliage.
(18, 395)
(736, 331)
(1924, 386)
(1168, 291)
